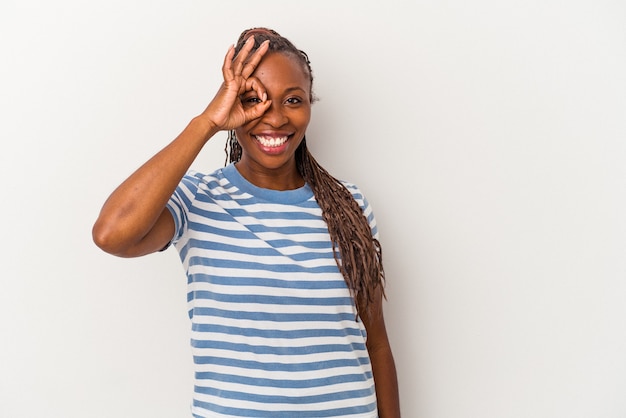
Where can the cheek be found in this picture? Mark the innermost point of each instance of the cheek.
(240, 133)
(244, 130)
(304, 118)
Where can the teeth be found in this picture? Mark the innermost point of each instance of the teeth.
(271, 141)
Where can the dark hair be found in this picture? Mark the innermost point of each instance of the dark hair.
(357, 253)
(277, 44)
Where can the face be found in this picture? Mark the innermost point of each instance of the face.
(269, 143)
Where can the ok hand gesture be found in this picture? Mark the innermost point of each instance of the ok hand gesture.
(225, 111)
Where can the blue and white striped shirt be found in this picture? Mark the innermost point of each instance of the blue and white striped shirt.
(274, 327)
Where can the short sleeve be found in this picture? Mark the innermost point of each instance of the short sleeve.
(366, 207)
(181, 202)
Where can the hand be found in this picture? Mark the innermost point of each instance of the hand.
(225, 111)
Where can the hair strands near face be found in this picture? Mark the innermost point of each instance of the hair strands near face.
(357, 253)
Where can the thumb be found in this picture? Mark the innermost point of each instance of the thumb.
(257, 111)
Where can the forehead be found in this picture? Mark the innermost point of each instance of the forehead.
(277, 69)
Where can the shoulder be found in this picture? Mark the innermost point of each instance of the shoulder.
(203, 177)
(356, 193)
(203, 180)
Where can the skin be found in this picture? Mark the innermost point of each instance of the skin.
(262, 94)
(288, 88)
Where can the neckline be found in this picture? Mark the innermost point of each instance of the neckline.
(298, 195)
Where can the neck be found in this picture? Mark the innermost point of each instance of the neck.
(281, 178)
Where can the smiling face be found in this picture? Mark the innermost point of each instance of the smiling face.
(270, 142)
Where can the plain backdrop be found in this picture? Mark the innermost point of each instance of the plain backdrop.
(489, 136)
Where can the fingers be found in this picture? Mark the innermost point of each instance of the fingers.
(237, 71)
(258, 105)
(251, 64)
(240, 59)
(254, 84)
(257, 111)
(228, 62)
(240, 65)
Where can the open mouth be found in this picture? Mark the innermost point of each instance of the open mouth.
(271, 142)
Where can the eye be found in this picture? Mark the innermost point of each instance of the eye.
(293, 100)
(250, 101)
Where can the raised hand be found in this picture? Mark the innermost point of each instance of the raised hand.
(225, 111)
(134, 221)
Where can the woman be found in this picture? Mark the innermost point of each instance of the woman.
(284, 268)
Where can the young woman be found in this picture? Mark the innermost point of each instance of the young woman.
(283, 263)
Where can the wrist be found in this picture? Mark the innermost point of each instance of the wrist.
(203, 127)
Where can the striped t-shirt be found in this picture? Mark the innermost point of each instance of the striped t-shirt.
(274, 328)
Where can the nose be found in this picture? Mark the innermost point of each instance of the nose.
(274, 115)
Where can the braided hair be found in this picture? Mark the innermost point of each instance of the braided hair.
(357, 253)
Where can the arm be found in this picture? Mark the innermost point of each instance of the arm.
(134, 219)
(381, 358)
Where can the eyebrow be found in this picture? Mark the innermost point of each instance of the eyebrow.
(290, 89)
(287, 90)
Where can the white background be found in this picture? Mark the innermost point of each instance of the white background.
(490, 137)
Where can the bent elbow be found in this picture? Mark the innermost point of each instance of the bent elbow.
(106, 239)
(131, 237)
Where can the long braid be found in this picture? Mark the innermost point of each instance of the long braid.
(357, 253)
(232, 148)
